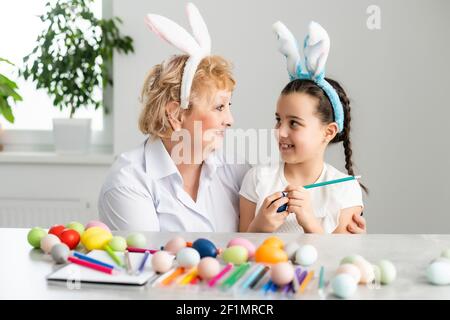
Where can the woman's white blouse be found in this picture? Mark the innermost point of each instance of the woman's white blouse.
(144, 191)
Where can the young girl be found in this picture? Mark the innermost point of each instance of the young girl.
(311, 112)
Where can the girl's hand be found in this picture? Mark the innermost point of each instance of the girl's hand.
(357, 225)
(300, 203)
(268, 219)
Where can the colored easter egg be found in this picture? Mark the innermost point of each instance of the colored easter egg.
(247, 244)
(35, 235)
(57, 230)
(274, 242)
(77, 226)
(175, 244)
(205, 248)
(188, 257)
(60, 252)
(70, 237)
(95, 238)
(306, 255)
(162, 261)
(351, 258)
(118, 243)
(235, 254)
(388, 273)
(350, 269)
(48, 241)
(270, 254)
(282, 273)
(366, 269)
(95, 223)
(208, 268)
(446, 253)
(343, 285)
(136, 240)
(290, 249)
(438, 273)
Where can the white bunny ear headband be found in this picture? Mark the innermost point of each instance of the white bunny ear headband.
(315, 48)
(197, 46)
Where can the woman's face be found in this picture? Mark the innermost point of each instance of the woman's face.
(208, 119)
(300, 132)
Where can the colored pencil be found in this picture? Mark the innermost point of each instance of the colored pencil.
(143, 261)
(214, 280)
(233, 278)
(128, 262)
(321, 278)
(295, 281)
(252, 276)
(195, 280)
(141, 250)
(286, 288)
(87, 258)
(301, 278)
(315, 185)
(259, 277)
(266, 288)
(160, 277)
(273, 287)
(113, 255)
(306, 281)
(321, 184)
(173, 276)
(188, 278)
(90, 265)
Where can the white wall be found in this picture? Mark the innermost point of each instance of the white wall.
(397, 78)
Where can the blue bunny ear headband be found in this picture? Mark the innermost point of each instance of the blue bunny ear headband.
(315, 48)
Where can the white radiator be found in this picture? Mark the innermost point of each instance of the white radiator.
(27, 213)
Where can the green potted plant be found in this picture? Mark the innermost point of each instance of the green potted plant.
(8, 95)
(71, 61)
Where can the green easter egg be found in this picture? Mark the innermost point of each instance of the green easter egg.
(235, 254)
(118, 243)
(78, 227)
(136, 240)
(35, 235)
(387, 271)
(446, 253)
(351, 258)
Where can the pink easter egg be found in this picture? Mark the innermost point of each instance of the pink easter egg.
(282, 273)
(175, 244)
(243, 243)
(208, 268)
(95, 223)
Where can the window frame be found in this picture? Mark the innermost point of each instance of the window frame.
(42, 140)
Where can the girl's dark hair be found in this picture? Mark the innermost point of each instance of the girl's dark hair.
(326, 114)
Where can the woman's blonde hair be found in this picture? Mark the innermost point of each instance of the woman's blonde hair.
(162, 85)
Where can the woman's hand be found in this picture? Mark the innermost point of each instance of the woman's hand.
(268, 219)
(357, 225)
(300, 203)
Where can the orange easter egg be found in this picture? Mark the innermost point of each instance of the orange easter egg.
(274, 242)
(270, 254)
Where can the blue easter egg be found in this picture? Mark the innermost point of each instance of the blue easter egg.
(205, 248)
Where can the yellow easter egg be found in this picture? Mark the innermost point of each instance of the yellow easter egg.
(95, 238)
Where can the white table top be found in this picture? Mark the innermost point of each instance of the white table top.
(23, 270)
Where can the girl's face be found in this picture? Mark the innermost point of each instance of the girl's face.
(301, 135)
(209, 118)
